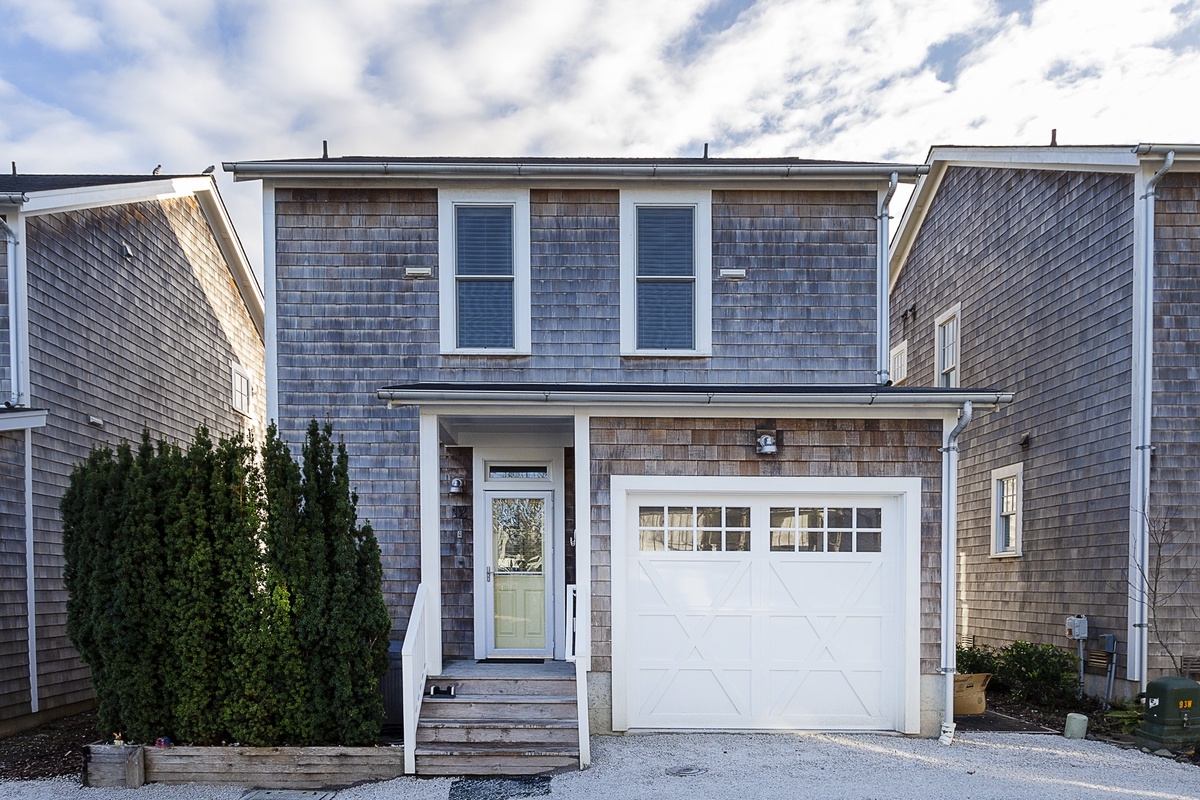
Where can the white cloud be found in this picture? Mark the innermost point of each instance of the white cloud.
(189, 83)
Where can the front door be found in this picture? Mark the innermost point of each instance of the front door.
(519, 528)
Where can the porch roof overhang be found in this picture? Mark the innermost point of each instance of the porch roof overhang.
(572, 394)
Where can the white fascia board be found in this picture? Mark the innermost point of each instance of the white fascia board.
(20, 420)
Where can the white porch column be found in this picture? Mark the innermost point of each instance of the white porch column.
(583, 539)
(431, 535)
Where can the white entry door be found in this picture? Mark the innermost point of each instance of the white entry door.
(761, 611)
(519, 614)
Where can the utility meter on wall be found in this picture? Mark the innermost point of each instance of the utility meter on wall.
(1077, 627)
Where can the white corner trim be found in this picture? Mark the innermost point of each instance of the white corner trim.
(270, 309)
(18, 317)
(583, 539)
(518, 199)
(30, 575)
(701, 200)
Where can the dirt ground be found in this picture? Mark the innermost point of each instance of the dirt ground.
(50, 751)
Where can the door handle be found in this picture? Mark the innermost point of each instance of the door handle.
(489, 574)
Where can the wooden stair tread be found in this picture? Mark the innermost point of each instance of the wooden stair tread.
(500, 748)
(507, 699)
(490, 722)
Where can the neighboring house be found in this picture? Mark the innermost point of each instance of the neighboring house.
(1070, 276)
(647, 395)
(126, 303)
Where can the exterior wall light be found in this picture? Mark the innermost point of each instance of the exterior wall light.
(765, 444)
(457, 485)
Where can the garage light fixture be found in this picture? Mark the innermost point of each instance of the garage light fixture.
(766, 441)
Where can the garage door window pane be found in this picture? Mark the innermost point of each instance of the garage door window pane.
(841, 518)
(678, 539)
(737, 517)
(841, 542)
(650, 540)
(783, 540)
(708, 517)
(710, 540)
(870, 542)
(680, 517)
(869, 517)
(811, 541)
(738, 541)
(811, 518)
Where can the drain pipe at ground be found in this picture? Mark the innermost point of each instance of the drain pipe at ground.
(949, 556)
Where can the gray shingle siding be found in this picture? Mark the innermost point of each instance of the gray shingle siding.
(144, 342)
(350, 322)
(1041, 262)
(1175, 464)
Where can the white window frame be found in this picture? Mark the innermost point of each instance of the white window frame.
(1016, 472)
(898, 363)
(941, 368)
(518, 200)
(240, 376)
(701, 201)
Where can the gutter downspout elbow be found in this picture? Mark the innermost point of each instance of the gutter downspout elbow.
(949, 557)
(883, 365)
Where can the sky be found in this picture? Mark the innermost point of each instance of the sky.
(120, 86)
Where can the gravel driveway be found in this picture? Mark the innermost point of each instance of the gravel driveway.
(747, 766)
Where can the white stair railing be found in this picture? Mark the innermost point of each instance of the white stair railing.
(414, 665)
(581, 698)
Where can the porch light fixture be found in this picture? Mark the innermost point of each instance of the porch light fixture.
(765, 444)
(457, 485)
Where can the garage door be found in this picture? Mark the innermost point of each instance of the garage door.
(762, 612)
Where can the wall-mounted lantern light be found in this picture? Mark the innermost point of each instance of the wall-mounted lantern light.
(457, 485)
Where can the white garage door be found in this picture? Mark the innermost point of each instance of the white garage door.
(762, 612)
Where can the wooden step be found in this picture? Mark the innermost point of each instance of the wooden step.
(499, 707)
(473, 686)
(482, 731)
(459, 759)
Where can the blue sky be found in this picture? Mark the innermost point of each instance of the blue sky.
(123, 85)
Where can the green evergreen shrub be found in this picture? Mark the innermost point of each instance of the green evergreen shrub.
(217, 598)
(1041, 674)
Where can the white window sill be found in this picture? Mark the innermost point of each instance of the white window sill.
(667, 354)
(1009, 554)
(486, 351)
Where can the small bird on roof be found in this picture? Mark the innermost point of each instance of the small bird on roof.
(157, 170)
(209, 169)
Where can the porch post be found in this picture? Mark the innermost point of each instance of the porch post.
(583, 539)
(431, 549)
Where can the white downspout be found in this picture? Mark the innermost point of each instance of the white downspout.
(883, 322)
(1142, 427)
(949, 557)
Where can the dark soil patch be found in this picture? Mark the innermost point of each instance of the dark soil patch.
(52, 750)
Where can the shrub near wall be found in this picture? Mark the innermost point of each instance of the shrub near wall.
(220, 598)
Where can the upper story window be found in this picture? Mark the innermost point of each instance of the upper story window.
(666, 272)
(899, 365)
(483, 270)
(241, 392)
(948, 347)
(1007, 512)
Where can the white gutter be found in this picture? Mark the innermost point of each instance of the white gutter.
(883, 368)
(13, 198)
(1167, 150)
(1138, 662)
(949, 557)
(416, 396)
(251, 170)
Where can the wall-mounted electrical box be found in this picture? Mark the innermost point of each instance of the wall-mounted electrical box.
(1077, 627)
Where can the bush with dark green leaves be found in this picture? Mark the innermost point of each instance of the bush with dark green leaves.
(1039, 674)
(217, 597)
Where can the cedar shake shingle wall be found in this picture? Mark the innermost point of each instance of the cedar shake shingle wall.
(14, 640)
(141, 342)
(350, 323)
(1041, 262)
(810, 448)
(1175, 465)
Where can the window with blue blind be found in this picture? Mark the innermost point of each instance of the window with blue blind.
(484, 276)
(666, 272)
(483, 271)
(666, 278)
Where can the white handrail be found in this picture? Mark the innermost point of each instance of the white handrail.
(415, 669)
(581, 698)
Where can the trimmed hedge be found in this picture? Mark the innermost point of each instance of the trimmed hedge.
(218, 597)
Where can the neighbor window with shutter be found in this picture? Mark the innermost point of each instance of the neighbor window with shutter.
(1007, 512)
(666, 272)
(483, 263)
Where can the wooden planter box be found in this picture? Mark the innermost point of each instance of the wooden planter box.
(253, 767)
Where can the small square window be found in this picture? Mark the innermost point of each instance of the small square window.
(1007, 511)
(241, 391)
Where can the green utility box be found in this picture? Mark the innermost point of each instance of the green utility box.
(1172, 709)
